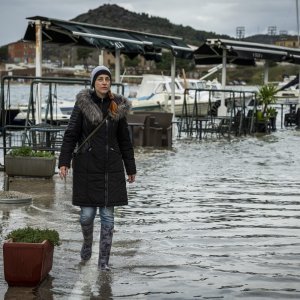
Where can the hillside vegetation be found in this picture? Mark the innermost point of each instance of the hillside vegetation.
(115, 16)
(118, 17)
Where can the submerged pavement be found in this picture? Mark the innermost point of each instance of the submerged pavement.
(206, 220)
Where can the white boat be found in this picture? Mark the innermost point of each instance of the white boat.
(154, 94)
(61, 112)
(288, 88)
(209, 86)
(9, 115)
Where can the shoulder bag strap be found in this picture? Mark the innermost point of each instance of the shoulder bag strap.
(91, 134)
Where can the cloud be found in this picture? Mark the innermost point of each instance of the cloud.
(219, 16)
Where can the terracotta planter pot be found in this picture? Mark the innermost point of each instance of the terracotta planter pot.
(30, 166)
(26, 264)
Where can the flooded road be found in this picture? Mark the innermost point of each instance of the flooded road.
(206, 220)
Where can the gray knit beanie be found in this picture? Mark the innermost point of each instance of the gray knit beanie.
(98, 71)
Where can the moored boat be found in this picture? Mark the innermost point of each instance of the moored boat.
(61, 112)
(155, 94)
(288, 88)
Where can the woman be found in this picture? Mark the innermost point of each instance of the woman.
(98, 167)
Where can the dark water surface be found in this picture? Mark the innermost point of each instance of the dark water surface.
(207, 220)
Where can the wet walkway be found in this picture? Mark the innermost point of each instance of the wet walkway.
(207, 220)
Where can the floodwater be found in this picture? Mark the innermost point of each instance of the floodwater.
(206, 220)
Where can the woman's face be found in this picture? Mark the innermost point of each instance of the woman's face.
(102, 85)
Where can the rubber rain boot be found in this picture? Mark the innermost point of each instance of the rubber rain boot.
(106, 236)
(86, 249)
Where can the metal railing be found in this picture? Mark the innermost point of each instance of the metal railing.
(48, 134)
(201, 118)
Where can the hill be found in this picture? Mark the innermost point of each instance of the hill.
(116, 16)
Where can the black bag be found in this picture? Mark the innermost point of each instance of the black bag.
(76, 151)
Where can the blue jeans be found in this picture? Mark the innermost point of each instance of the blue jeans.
(88, 214)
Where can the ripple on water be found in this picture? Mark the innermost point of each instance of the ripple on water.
(205, 220)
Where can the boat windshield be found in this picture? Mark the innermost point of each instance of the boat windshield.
(66, 110)
(193, 85)
(161, 88)
(201, 85)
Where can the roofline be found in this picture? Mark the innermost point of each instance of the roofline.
(249, 44)
(259, 50)
(104, 27)
(77, 33)
(181, 48)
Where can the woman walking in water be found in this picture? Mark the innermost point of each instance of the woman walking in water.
(98, 167)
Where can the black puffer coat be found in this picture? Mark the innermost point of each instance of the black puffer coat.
(98, 170)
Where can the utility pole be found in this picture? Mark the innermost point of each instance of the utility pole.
(297, 12)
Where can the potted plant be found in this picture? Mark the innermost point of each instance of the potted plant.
(271, 115)
(266, 96)
(28, 255)
(24, 161)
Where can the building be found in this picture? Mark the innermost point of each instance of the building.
(21, 52)
(290, 42)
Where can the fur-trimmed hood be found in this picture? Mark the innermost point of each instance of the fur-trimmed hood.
(92, 111)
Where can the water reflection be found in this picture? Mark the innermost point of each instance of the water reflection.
(91, 282)
(205, 220)
(42, 190)
(43, 291)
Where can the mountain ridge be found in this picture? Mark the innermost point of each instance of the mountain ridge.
(113, 15)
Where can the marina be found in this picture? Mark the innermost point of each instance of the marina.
(195, 117)
(214, 212)
(154, 93)
(210, 219)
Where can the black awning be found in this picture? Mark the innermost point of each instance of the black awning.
(206, 54)
(243, 53)
(128, 42)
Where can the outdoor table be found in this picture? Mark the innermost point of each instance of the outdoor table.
(131, 126)
(49, 131)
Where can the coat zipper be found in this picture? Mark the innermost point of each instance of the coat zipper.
(106, 173)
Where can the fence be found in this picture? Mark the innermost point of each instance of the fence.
(200, 118)
(25, 130)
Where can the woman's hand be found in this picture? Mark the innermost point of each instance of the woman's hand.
(131, 178)
(63, 172)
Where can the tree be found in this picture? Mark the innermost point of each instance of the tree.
(165, 64)
(134, 62)
(4, 53)
(83, 54)
(266, 96)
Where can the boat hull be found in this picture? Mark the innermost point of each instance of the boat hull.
(9, 115)
(182, 107)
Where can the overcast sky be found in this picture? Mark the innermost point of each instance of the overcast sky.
(220, 16)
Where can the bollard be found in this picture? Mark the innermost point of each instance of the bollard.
(298, 118)
(6, 183)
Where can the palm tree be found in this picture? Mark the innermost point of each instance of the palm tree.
(266, 95)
